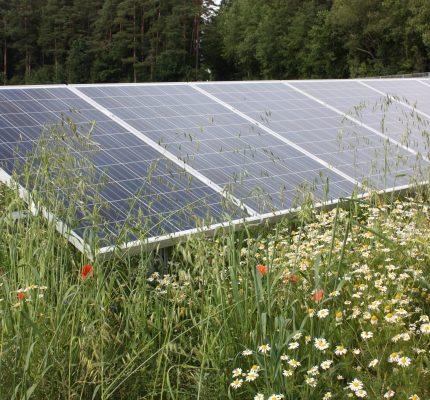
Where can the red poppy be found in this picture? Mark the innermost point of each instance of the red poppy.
(318, 295)
(21, 295)
(291, 278)
(86, 271)
(262, 269)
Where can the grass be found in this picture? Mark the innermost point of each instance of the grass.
(330, 304)
(124, 332)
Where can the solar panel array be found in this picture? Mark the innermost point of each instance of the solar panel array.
(171, 159)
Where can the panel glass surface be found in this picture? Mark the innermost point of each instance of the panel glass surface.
(414, 92)
(256, 167)
(130, 181)
(352, 149)
(373, 109)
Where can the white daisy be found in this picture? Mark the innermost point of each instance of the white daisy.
(322, 313)
(321, 344)
(264, 348)
(404, 361)
(366, 335)
(355, 385)
(340, 350)
(237, 383)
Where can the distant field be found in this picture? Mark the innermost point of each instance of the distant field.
(331, 305)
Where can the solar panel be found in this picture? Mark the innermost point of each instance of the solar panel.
(258, 168)
(167, 160)
(347, 146)
(414, 92)
(164, 198)
(375, 110)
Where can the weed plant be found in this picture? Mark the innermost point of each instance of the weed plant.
(330, 304)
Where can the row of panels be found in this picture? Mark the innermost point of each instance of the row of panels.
(172, 157)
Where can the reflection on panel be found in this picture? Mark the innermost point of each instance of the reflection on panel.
(124, 179)
(353, 149)
(261, 170)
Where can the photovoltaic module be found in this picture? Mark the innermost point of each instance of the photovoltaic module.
(169, 160)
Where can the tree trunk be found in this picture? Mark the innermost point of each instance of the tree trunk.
(142, 36)
(134, 43)
(4, 62)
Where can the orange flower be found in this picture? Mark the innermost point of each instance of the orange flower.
(262, 269)
(86, 271)
(291, 278)
(318, 295)
(21, 295)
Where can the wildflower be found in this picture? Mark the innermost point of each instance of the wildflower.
(355, 385)
(237, 383)
(247, 352)
(404, 361)
(326, 364)
(312, 382)
(237, 372)
(321, 344)
(264, 348)
(255, 368)
(21, 295)
(297, 336)
(414, 397)
(288, 372)
(327, 395)
(294, 363)
(251, 376)
(374, 305)
(360, 393)
(259, 396)
(308, 339)
(335, 293)
(356, 351)
(318, 295)
(392, 318)
(367, 315)
(86, 271)
(390, 393)
(374, 320)
(366, 335)
(393, 357)
(340, 350)
(425, 329)
(396, 338)
(291, 278)
(262, 269)
(373, 363)
(293, 345)
(284, 357)
(322, 313)
(339, 316)
(311, 312)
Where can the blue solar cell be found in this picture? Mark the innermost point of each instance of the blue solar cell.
(319, 130)
(215, 141)
(373, 109)
(128, 171)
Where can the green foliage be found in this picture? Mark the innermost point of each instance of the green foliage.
(54, 41)
(321, 39)
(121, 330)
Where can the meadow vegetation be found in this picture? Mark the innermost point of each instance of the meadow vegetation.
(328, 303)
(331, 304)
